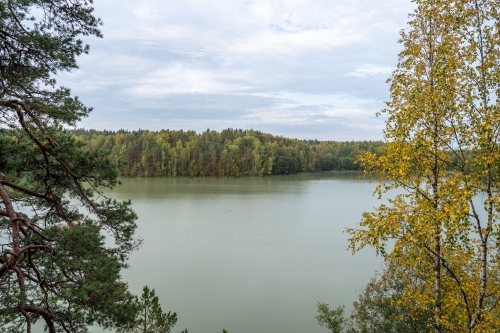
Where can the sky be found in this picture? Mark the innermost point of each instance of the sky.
(307, 69)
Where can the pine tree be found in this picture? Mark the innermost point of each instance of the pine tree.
(151, 318)
(63, 242)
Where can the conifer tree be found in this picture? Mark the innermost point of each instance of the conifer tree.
(150, 317)
(63, 243)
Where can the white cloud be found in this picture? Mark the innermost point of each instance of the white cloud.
(265, 62)
(179, 79)
(369, 69)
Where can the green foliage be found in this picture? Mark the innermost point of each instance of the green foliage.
(230, 153)
(150, 317)
(381, 307)
(333, 320)
(63, 243)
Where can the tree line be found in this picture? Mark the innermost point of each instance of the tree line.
(229, 153)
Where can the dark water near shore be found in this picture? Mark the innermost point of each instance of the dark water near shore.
(251, 254)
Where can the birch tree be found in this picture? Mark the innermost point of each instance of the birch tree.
(442, 156)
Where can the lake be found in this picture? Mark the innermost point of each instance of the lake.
(251, 255)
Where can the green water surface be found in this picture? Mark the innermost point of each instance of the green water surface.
(251, 255)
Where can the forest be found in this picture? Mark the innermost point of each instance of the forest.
(229, 153)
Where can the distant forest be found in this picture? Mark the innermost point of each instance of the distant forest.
(230, 153)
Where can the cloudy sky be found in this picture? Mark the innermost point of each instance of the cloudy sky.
(311, 69)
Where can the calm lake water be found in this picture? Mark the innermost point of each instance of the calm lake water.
(251, 255)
